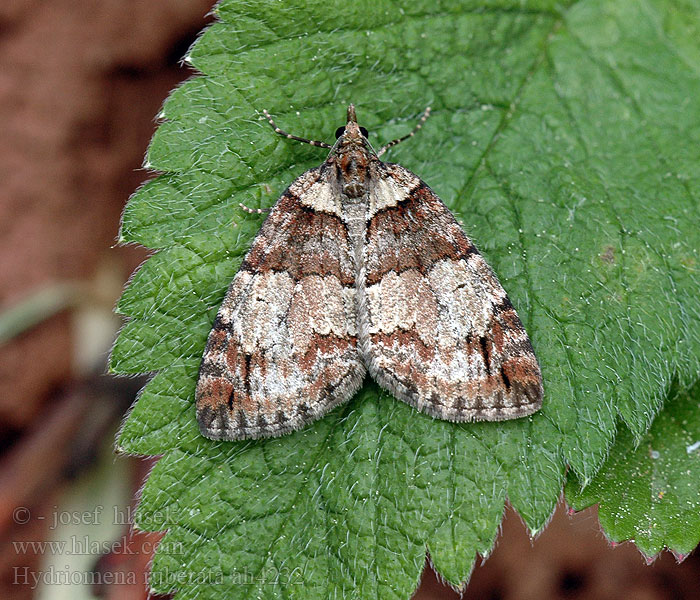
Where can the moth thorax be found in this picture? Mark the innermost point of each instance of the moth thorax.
(353, 174)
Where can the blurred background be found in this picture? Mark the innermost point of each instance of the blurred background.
(80, 85)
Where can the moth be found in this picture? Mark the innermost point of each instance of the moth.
(360, 268)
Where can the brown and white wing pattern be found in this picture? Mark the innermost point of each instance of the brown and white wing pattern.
(436, 327)
(283, 348)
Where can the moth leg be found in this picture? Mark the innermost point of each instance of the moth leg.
(293, 137)
(254, 211)
(413, 132)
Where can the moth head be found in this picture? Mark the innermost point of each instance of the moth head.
(352, 133)
(341, 132)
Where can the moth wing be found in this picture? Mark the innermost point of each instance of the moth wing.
(436, 327)
(283, 348)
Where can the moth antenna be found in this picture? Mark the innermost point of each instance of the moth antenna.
(413, 132)
(254, 211)
(293, 137)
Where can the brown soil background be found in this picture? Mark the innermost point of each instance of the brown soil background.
(80, 84)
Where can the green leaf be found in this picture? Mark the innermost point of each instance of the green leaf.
(564, 136)
(649, 489)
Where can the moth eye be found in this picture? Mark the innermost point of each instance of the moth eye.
(338, 132)
(364, 132)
